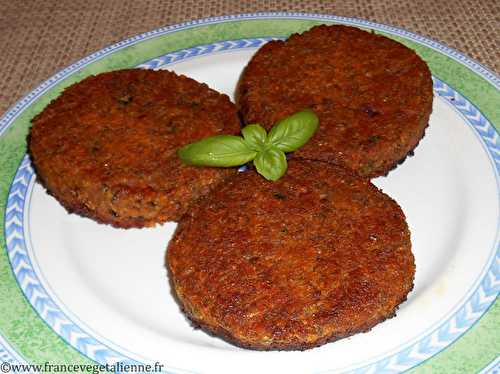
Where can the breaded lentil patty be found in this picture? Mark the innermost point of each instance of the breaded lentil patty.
(106, 147)
(372, 94)
(319, 255)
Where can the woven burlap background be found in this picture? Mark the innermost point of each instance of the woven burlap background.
(38, 38)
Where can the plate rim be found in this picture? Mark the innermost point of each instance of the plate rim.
(8, 119)
(442, 90)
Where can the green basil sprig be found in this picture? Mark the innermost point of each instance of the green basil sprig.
(219, 150)
(266, 150)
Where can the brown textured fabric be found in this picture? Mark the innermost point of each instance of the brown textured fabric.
(38, 38)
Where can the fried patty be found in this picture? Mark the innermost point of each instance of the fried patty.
(317, 256)
(106, 147)
(372, 94)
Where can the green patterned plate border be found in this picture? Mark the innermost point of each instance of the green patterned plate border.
(35, 342)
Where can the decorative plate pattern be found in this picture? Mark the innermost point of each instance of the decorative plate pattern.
(408, 356)
(88, 345)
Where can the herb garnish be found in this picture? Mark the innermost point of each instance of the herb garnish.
(267, 150)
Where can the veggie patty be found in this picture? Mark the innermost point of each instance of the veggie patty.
(319, 255)
(106, 147)
(372, 94)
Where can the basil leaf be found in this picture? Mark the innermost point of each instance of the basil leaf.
(255, 136)
(294, 131)
(271, 163)
(219, 150)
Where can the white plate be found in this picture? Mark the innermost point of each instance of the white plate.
(105, 290)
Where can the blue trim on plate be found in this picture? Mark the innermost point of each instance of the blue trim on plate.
(491, 77)
(492, 368)
(8, 354)
(486, 292)
(184, 54)
(410, 356)
(27, 278)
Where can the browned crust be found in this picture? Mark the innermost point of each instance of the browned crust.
(106, 147)
(223, 334)
(373, 95)
(315, 257)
